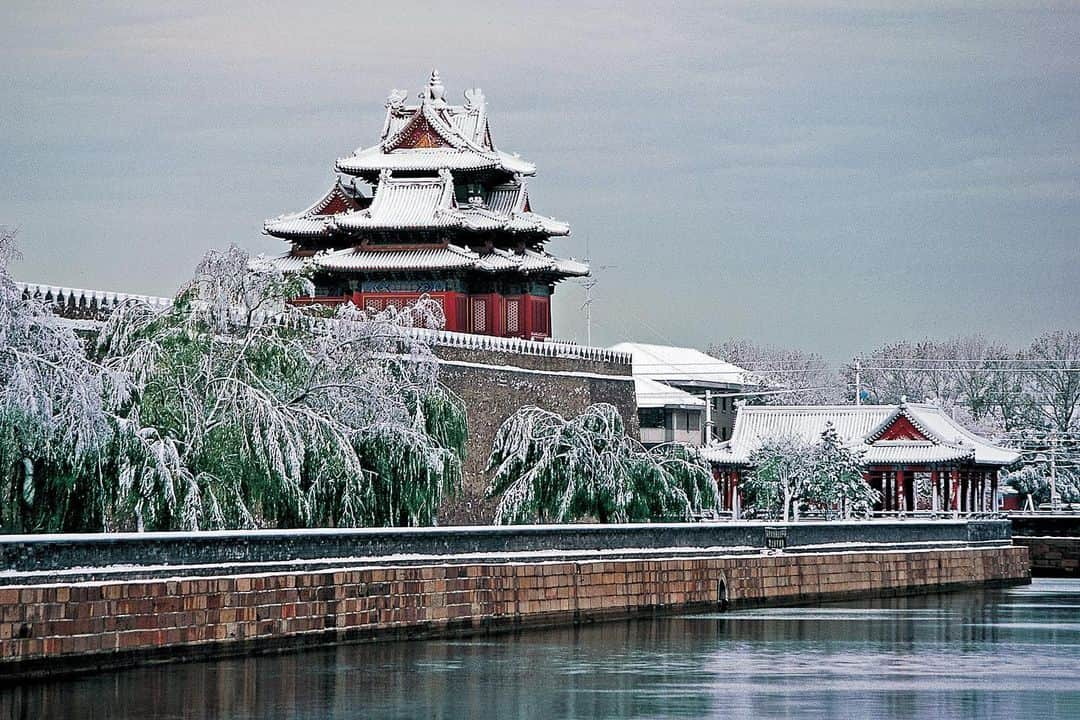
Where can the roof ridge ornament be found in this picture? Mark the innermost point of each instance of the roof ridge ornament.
(475, 100)
(396, 99)
(436, 91)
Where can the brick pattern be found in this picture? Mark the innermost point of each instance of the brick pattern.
(88, 619)
(491, 396)
(1056, 556)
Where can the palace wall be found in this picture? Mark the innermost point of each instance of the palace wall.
(55, 629)
(1053, 542)
(495, 377)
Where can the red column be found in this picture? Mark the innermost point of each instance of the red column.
(901, 497)
(936, 489)
(954, 493)
(993, 490)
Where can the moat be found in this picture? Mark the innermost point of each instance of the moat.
(992, 653)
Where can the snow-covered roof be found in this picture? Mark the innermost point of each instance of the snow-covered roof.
(315, 220)
(374, 159)
(434, 135)
(653, 394)
(861, 427)
(684, 367)
(448, 257)
(411, 203)
(405, 203)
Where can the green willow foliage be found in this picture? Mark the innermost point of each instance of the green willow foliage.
(236, 410)
(549, 469)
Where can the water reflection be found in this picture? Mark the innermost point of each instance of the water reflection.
(1002, 653)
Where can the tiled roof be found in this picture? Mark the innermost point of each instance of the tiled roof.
(374, 159)
(315, 220)
(449, 257)
(405, 203)
(429, 202)
(463, 129)
(859, 426)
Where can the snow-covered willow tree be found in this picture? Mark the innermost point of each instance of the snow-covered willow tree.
(249, 412)
(550, 469)
(229, 409)
(57, 416)
(791, 476)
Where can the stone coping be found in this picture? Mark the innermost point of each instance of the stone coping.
(186, 553)
(119, 573)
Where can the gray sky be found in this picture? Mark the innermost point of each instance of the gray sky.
(803, 173)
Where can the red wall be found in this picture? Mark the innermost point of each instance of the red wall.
(524, 316)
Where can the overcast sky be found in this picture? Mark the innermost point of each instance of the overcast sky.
(823, 175)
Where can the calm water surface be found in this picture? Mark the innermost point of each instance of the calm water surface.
(1012, 653)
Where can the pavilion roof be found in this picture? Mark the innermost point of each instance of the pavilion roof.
(938, 438)
(448, 257)
(434, 135)
(315, 220)
(418, 203)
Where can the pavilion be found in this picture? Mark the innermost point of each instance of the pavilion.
(915, 455)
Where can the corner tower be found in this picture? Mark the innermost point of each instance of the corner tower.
(434, 207)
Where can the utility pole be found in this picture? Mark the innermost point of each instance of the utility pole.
(589, 283)
(858, 381)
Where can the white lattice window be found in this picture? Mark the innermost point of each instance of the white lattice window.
(513, 317)
(396, 303)
(479, 315)
(373, 304)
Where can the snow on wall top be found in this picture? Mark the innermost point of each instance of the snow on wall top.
(95, 304)
(88, 301)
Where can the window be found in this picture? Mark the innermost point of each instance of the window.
(479, 315)
(651, 417)
(513, 316)
(693, 421)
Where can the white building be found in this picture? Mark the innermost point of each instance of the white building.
(692, 372)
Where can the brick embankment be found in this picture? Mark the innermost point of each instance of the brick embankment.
(1052, 556)
(57, 629)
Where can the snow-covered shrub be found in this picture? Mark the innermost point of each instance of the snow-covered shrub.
(1033, 481)
(791, 476)
(782, 471)
(837, 483)
(550, 469)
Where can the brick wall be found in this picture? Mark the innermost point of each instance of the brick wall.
(51, 629)
(500, 383)
(1053, 556)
